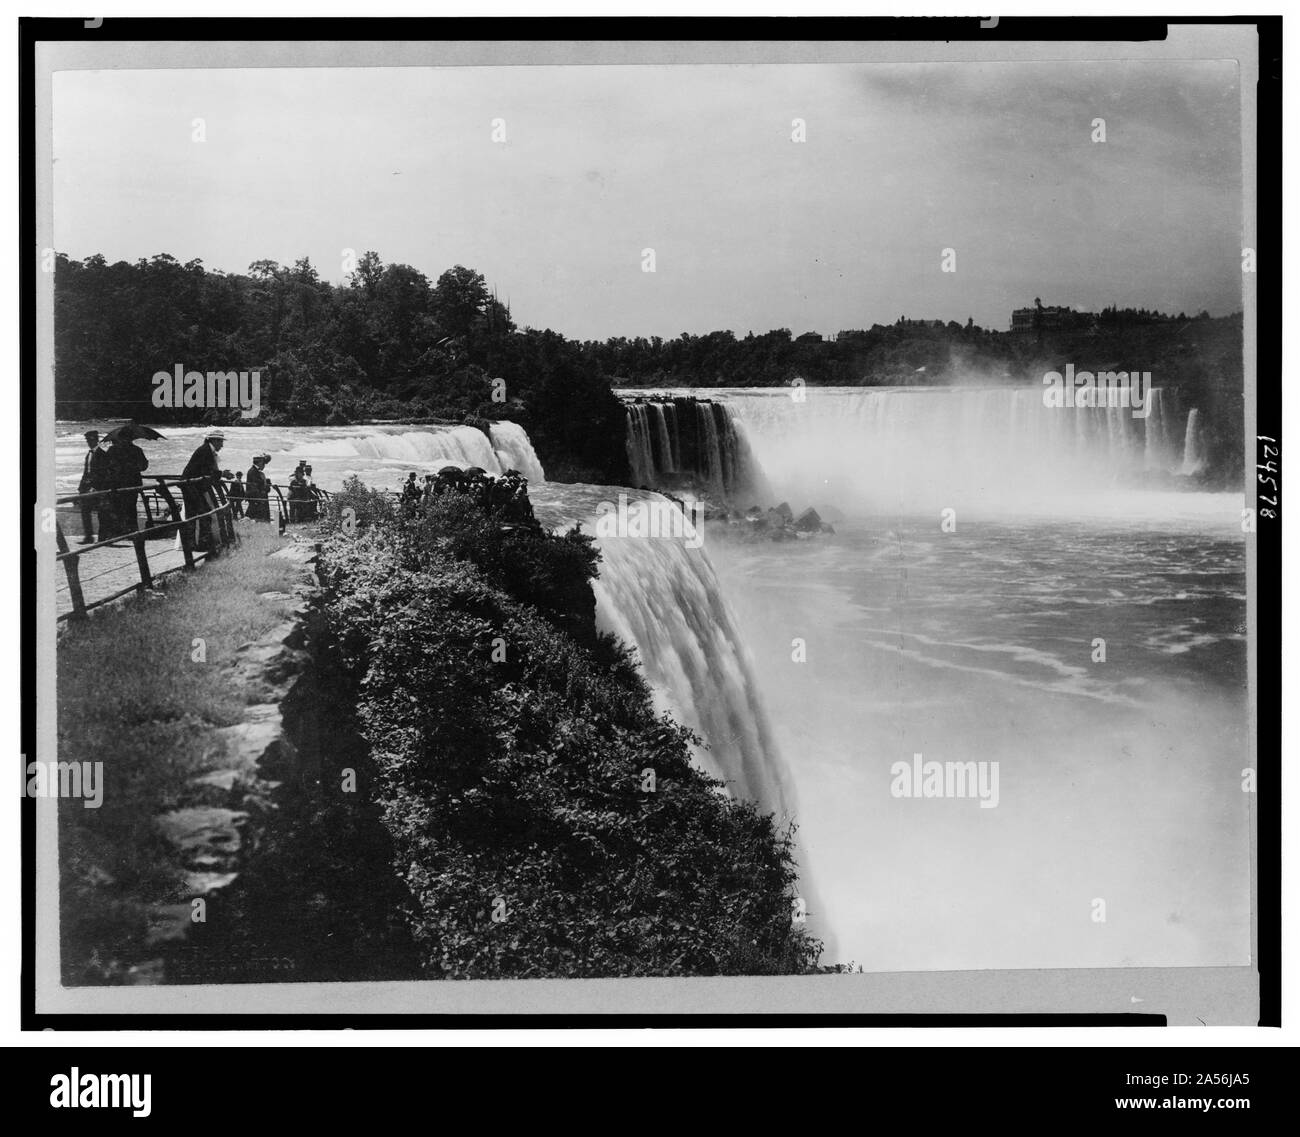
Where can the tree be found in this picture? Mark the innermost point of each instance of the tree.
(460, 297)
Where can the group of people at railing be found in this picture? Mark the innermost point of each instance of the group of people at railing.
(252, 498)
(113, 466)
(112, 487)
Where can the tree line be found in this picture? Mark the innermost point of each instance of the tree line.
(906, 352)
(387, 344)
(390, 343)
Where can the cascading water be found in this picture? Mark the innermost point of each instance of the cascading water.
(922, 448)
(1193, 445)
(507, 448)
(974, 644)
(458, 445)
(662, 596)
(1158, 449)
(683, 443)
(640, 451)
(514, 450)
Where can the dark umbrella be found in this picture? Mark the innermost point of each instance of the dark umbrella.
(475, 470)
(450, 472)
(129, 432)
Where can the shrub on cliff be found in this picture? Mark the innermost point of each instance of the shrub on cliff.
(544, 820)
(369, 507)
(552, 573)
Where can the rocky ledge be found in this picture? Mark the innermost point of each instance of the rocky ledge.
(779, 523)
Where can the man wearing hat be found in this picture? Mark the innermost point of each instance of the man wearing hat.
(202, 475)
(258, 488)
(94, 477)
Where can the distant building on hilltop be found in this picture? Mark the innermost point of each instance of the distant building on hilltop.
(809, 337)
(1047, 319)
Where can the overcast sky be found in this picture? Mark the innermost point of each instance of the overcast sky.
(750, 230)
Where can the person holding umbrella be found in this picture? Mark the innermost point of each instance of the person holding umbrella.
(126, 462)
(449, 478)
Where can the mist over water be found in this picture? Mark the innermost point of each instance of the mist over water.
(987, 449)
(1120, 780)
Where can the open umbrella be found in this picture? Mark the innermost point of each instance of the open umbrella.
(129, 432)
(475, 471)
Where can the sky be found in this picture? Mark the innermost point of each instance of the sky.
(750, 229)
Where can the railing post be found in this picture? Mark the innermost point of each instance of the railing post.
(225, 515)
(284, 513)
(187, 538)
(142, 559)
(70, 560)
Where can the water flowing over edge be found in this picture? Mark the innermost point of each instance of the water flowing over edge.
(910, 449)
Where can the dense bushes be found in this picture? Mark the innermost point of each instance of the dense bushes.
(544, 821)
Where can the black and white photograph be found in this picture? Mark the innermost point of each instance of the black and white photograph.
(773, 512)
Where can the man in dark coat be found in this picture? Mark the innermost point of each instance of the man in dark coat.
(235, 494)
(94, 477)
(126, 462)
(202, 474)
(258, 486)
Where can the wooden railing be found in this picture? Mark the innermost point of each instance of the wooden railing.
(161, 498)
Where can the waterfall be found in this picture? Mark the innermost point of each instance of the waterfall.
(687, 444)
(514, 450)
(712, 467)
(919, 449)
(663, 598)
(1193, 444)
(508, 448)
(1158, 446)
(666, 459)
(640, 454)
(456, 445)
